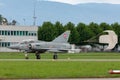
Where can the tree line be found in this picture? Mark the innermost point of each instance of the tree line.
(4, 21)
(80, 33)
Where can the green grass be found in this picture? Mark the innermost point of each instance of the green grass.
(58, 69)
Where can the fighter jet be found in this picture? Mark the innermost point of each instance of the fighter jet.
(58, 45)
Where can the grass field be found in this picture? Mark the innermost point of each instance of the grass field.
(56, 69)
(59, 69)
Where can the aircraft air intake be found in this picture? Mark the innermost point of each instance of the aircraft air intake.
(30, 46)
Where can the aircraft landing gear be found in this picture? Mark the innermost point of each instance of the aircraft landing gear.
(55, 56)
(26, 55)
(37, 54)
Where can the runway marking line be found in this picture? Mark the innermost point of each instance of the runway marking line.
(89, 60)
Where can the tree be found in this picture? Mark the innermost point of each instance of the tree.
(46, 32)
(40, 33)
(74, 36)
(105, 26)
(84, 32)
(14, 22)
(1, 19)
(94, 27)
(5, 22)
(59, 29)
(116, 28)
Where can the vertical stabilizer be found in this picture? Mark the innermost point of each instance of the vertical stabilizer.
(63, 38)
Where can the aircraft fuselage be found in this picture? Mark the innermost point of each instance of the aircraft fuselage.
(44, 46)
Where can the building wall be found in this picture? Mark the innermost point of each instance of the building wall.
(14, 34)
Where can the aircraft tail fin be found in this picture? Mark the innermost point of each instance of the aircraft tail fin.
(63, 38)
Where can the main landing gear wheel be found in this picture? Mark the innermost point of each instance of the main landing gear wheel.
(55, 56)
(37, 54)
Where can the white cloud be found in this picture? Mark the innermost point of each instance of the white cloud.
(67, 1)
(87, 1)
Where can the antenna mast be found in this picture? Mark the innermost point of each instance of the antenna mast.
(34, 14)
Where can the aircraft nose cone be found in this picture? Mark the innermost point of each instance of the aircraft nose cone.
(13, 47)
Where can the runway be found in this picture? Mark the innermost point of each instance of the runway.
(89, 60)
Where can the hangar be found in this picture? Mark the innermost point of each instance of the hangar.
(10, 34)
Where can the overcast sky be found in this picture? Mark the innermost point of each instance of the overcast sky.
(87, 1)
